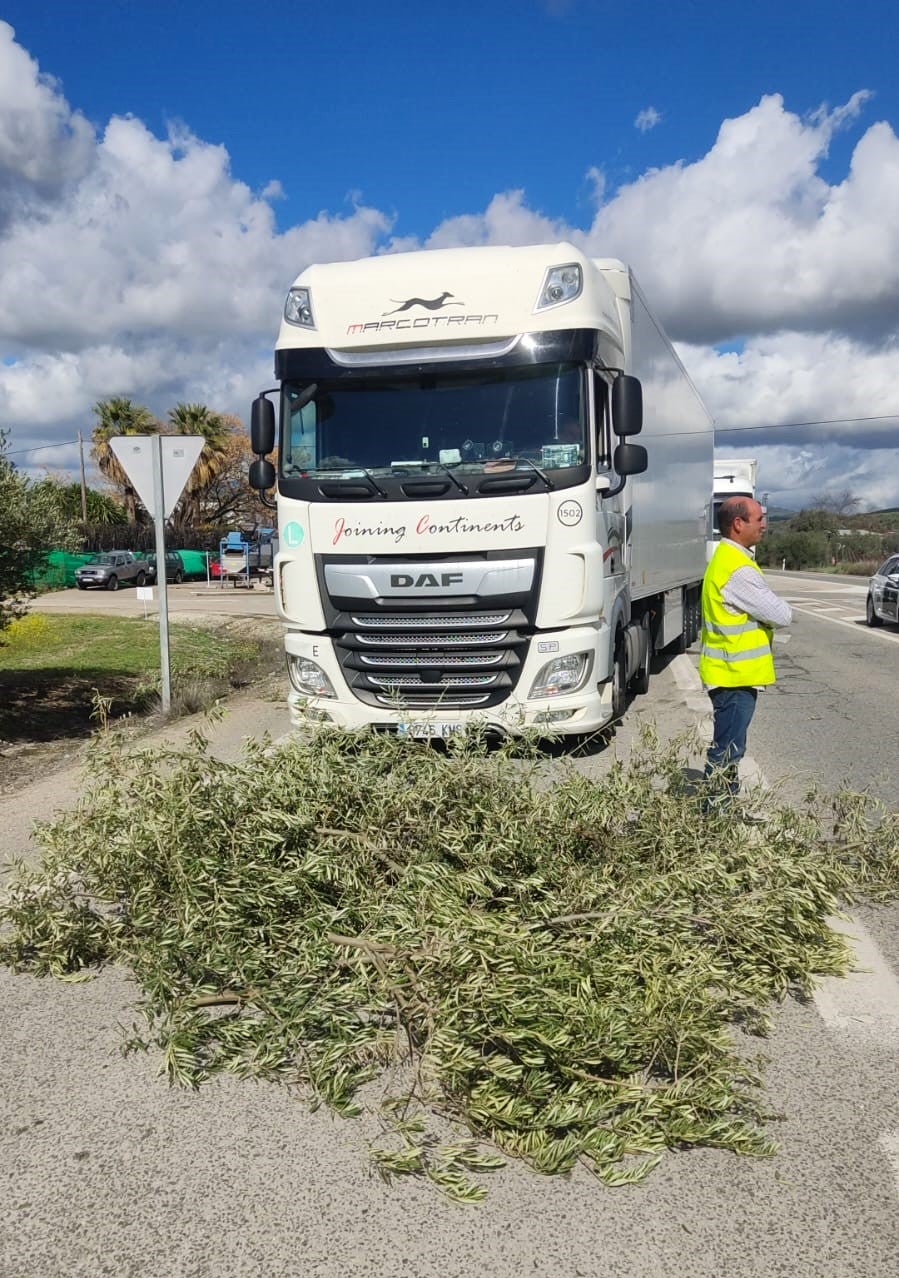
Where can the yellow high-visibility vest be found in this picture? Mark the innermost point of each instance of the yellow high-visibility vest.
(736, 649)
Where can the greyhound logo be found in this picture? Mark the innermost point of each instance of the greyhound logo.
(430, 304)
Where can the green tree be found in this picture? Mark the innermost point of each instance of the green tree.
(101, 508)
(119, 416)
(814, 519)
(218, 430)
(31, 525)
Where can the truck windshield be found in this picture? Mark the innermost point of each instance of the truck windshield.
(471, 423)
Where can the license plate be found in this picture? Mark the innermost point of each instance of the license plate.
(430, 728)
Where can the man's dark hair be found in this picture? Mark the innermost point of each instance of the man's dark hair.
(729, 510)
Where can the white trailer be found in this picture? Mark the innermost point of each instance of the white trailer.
(466, 533)
(733, 477)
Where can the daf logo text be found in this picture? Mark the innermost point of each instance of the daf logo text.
(425, 580)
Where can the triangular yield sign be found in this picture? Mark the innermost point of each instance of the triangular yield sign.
(179, 456)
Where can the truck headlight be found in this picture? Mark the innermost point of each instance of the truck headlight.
(563, 674)
(298, 308)
(308, 678)
(560, 284)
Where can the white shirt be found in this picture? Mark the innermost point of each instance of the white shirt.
(747, 591)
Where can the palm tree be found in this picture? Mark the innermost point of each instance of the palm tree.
(119, 416)
(217, 429)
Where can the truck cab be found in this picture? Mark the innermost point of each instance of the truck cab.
(462, 534)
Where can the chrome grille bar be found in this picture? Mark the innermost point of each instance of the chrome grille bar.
(467, 640)
(429, 621)
(444, 660)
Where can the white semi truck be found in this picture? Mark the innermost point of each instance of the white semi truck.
(733, 477)
(467, 533)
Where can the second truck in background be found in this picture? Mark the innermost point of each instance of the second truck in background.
(733, 477)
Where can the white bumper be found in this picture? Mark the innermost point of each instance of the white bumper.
(585, 710)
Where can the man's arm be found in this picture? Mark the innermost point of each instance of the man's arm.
(747, 591)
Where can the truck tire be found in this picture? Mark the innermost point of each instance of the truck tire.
(870, 615)
(640, 681)
(140, 579)
(113, 583)
(178, 577)
(619, 679)
(81, 585)
(692, 625)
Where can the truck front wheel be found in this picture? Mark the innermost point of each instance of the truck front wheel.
(113, 583)
(140, 578)
(619, 679)
(640, 681)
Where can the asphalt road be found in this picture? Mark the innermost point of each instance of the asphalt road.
(187, 599)
(107, 1170)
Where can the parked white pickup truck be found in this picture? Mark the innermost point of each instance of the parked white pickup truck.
(110, 568)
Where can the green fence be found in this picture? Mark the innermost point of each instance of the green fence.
(58, 572)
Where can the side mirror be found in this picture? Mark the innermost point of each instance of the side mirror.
(627, 405)
(262, 474)
(262, 428)
(630, 459)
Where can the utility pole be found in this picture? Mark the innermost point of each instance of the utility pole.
(83, 484)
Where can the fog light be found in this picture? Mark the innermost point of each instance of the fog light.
(564, 674)
(553, 716)
(308, 678)
(560, 284)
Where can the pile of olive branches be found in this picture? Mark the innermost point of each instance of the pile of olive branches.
(553, 965)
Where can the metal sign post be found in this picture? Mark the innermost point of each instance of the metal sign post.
(159, 466)
(161, 574)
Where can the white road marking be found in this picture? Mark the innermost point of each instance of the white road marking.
(864, 1004)
(687, 679)
(855, 625)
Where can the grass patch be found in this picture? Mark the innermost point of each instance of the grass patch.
(54, 668)
(555, 970)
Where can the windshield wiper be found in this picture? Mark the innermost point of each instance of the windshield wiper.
(461, 487)
(340, 476)
(526, 461)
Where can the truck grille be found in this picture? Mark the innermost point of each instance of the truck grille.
(462, 660)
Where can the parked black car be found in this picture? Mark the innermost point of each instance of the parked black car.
(174, 567)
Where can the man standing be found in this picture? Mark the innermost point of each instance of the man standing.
(739, 612)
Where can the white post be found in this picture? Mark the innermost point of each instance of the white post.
(161, 574)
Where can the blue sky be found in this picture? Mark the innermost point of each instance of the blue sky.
(429, 109)
(742, 157)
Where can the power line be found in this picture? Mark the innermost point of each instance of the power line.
(719, 430)
(57, 443)
(830, 421)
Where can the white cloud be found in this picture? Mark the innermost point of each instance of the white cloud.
(138, 265)
(647, 119)
(43, 144)
(506, 220)
(750, 238)
(793, 378)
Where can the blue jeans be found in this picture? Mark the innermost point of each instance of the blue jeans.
(732, 709)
